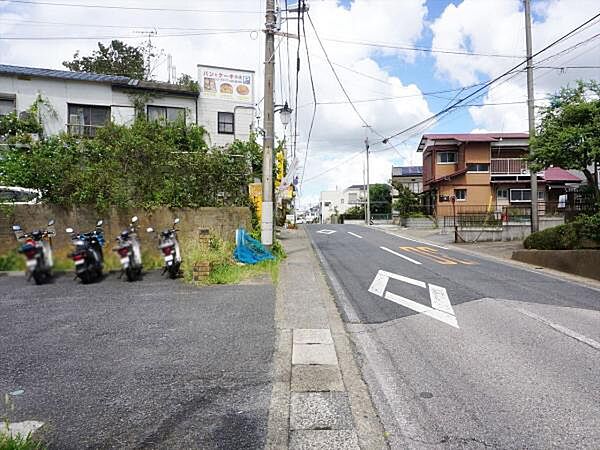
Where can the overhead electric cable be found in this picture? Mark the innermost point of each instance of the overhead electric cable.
(494, 80)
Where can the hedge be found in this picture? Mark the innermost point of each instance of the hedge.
(573, 235)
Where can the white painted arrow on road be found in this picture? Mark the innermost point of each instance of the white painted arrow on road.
(326, 231)
(441, 308)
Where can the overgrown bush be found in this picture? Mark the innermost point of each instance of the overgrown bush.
(147, 164)
(569, 236)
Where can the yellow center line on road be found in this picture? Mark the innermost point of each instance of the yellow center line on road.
(452, 258)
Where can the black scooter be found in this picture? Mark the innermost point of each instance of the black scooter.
(87, 256)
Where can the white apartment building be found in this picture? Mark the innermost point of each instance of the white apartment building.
(341, 201)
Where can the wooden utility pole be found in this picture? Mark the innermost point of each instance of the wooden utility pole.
(531, 116)
(269, 126)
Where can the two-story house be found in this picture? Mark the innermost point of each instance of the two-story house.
(484, 171)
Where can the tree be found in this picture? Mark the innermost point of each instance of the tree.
(407, 201)
(569, 133)
(380, 198)
(117, 58)
(187, 81)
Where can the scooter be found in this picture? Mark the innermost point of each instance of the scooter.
(168, 244)
(128, 249)
(87, 256)
(37, 248)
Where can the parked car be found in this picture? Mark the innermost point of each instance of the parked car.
(15, 195)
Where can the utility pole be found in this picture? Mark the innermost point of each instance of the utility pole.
(368, 209)
(266, 235)
(531, 116)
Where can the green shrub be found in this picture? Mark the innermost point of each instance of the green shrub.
(11, 261)
(568, 236)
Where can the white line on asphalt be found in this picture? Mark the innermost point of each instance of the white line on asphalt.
(404, 279)
(442, 316)
(420, 242)
(573, 334)
(354, 234)
(400, 255)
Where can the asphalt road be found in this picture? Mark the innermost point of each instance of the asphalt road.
(150, 364)
(465, 352)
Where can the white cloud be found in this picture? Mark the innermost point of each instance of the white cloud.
(499, 28)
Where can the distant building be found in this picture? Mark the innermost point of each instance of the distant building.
(409, 176)
(485, 171)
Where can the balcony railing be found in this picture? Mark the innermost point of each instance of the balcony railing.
(509, 166)
(82, 130)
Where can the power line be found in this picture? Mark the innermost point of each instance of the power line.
(314, 94)
(421, 49)
(77, 38)
(135, 8)
(494, 80)
(337, 77)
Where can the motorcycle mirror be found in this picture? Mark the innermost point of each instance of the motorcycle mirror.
(99, 223)
(69, 230)
(176, 220)
(16, 228)
(134, 219)
(150, 230)
(51, 222)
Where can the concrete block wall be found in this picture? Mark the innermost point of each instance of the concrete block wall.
(221, 222)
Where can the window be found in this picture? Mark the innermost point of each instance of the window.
(446, 157)
(327, 203)
(225, 123)
(7, 104)
(341, 200)
(502, 194)
(165, 113)
(460, 194)
(85, 119)
(478, 167)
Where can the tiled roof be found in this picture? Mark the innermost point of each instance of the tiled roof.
(407, 171)
(470, 137)
(61, 74)
(558, 174)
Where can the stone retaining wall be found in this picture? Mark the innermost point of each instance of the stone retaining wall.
(221, 222)
(585, 263)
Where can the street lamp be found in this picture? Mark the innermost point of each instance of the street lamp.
(285, 114)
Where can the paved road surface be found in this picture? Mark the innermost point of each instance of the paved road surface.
(463, 352)
(155, 363)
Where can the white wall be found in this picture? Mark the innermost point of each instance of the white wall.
(61, 92)
(208, 109)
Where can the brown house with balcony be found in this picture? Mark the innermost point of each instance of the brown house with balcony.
(484, 171)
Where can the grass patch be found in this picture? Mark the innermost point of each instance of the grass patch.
(19, 442)
(224, 268)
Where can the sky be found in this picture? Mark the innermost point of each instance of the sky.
(398, 61)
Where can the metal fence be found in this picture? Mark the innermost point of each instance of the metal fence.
(495, 216)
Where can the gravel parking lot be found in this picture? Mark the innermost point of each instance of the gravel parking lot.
(155, 363)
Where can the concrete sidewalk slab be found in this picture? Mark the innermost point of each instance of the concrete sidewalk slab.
(315, 378)
(320, 411)
(324, 440)
(314, 354)
(312, 336)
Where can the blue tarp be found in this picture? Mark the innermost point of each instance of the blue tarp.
(248, 250)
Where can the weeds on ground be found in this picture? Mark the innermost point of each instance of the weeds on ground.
(224, 268)
(19, 442)
(12, 261)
